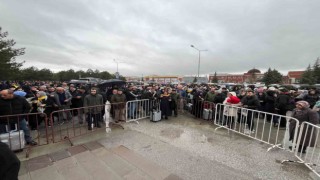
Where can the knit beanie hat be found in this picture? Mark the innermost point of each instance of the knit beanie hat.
(20, 93)
(42, 93)
(304, 104)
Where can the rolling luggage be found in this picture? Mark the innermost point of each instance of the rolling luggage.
(155, 116)
(14, 139)
(207, 114)
(188, 107)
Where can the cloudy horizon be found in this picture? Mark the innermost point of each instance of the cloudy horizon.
(154, 37)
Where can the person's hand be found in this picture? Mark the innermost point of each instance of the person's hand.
(78, 97)
(66, 100)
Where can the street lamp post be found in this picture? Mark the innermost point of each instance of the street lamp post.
(117, 73)
(199, 58)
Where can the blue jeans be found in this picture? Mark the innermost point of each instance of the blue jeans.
(24, 127)
(132, 109)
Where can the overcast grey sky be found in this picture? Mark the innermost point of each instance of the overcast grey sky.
(154, 36)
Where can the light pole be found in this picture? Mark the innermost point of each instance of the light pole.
(199, 58)
(117, 73)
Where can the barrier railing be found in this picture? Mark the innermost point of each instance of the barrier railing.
(258, 125)
(69, 123)
(209, 110)
(307, 150)
(140, 109)
(19, 130)
(201, 109)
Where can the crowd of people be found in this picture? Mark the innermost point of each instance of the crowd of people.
(47, 97)
(87, 103)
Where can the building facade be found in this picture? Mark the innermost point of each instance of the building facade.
(252, 76)
(162, 79)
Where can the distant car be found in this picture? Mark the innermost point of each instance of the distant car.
(87, 80)
(91, 80)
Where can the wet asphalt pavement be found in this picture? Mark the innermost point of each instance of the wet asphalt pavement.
(192, 149)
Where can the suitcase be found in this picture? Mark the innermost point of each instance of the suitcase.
(14, 139)
(207, 114)
(155, 116)
(188, 107)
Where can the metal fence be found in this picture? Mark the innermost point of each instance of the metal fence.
(69, 123)
(20, 129)
(139, 109)
(307, 150)
(258, 125)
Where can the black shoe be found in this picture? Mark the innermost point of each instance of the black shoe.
(303, 151)
(32, 143)
(166, 118)
(98, 125)
(90, 128)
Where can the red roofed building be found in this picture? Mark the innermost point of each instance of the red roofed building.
(252, 76)
(294, 76)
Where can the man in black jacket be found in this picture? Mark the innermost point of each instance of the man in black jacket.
(10, 164)
(131, 96)
(11, 104)
(250, 101)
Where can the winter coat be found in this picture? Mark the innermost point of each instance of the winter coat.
(282, 102)
(210, 96)
(175, 99)
(131, 95)
(93, 100)
(262, 98)
(230, 109)
(10, 164)
(118, 101)
(311, 99)
(219, 98)
(165, 105)
(16, 105)
(270, 102)
(304, 115)
(68, 97)
(75, 101)
(251, 102)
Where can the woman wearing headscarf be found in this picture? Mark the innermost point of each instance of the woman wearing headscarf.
(303, 113)
(230, 111)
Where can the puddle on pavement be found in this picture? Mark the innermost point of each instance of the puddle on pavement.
(171, 133)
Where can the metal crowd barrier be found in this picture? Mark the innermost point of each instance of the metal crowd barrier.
(258, 125)
(70, 123)
(307, 151)
(140, 109)
(209, 110)
(201, 109)
(16, 130)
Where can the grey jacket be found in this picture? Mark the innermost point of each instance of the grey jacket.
(68, 97)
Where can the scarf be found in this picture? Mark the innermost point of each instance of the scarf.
(42, 98)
